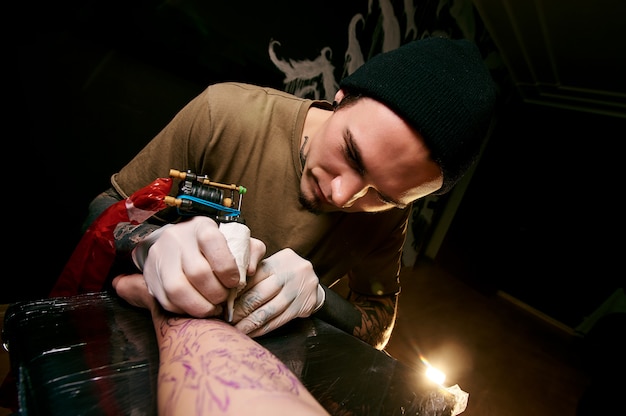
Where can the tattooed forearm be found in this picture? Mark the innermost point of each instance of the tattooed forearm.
(378, 316)
(369, 318)
(208, 367)
(128, 235)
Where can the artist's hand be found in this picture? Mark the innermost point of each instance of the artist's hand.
(189, 268)
(132, 288)
(284, 287)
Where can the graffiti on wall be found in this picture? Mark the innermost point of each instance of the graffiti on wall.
(317, 78)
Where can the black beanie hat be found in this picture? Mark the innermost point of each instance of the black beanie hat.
(442, 88)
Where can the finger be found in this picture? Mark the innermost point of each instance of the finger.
(265, 319)
(133, 289)
(155, 283)
(263, 270)
(257, 308)
(257, 252)
(278, 313)
(198, 272)
(254, 297)
(214, 248)
(175, 293)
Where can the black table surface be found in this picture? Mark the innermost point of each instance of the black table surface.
(74, 354)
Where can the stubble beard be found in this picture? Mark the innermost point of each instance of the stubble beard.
(312, 205)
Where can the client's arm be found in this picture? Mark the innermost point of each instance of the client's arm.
(209, 367)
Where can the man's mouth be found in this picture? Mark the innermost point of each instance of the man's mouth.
(317, 192)
(320, 196)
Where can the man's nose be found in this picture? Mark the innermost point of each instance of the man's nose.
(346, 191)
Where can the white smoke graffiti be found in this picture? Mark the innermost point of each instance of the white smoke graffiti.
(354, 56)
(315, 78)
(391, 27)
(312, 79)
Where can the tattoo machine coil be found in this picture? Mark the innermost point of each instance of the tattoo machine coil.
(201, 196)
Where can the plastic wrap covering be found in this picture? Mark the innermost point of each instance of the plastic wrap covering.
(93, 354)
(89, 264)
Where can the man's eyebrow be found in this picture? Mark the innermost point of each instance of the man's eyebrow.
(353, 153)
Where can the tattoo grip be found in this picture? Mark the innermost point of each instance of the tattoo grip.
(238, 238)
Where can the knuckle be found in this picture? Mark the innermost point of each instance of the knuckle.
(226, 269)
(247, 325)
(205, 232)
(258, 246)
(197, 271)
(174, 289)
(217, 296)
(170, 307)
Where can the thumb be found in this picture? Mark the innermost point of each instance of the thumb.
(133, 289)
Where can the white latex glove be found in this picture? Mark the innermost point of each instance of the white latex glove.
(284, 287)
(189, 268)
(238, 239)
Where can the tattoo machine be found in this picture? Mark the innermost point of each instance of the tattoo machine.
(200, 196)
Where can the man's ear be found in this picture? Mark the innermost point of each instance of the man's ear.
(338, 97)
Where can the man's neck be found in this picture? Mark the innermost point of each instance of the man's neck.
(315, 118)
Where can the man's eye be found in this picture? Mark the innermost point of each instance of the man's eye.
(353, 159)
(350, 155)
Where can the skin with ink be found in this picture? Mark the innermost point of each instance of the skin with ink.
(207, 367)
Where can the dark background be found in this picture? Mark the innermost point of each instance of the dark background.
(95, 80)
(541, 219)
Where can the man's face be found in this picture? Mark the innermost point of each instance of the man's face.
(365, 158)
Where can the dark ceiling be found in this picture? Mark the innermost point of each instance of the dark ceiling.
(568, 54)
